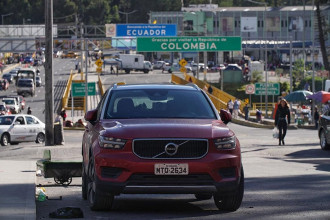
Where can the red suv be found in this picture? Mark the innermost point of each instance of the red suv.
(152, 139)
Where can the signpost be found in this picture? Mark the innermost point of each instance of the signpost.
(99, 64)
(250, 89)
(78, 89)
(183, 63)
(145, 30)
(272, 89)
(193, 44)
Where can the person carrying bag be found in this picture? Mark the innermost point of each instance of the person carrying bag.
(282, 120)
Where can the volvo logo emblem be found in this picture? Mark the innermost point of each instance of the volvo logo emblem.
(171, 149)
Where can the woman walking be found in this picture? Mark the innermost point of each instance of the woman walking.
(282, 120)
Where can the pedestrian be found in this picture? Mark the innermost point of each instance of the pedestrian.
(76, 64)
(316, 118)
(111, 69)
(282, 120)
(29, 112)
(230, 106)
(259, 115)
(236, 106)
(63, 114)
(246, 112)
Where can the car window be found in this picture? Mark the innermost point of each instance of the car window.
(20, 119)
(158, 103)
(30, 120)
(6, 120)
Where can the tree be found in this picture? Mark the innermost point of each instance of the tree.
(320, 25)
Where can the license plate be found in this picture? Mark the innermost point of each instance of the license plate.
(171, 169)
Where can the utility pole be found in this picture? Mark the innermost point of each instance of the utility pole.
(205, 53)
(49, 96)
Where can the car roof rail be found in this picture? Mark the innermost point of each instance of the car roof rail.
(192, 85)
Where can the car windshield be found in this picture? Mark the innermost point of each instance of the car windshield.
(158, 103)
(6, 120)
(8, 101)
(23, 83)
(2, 108)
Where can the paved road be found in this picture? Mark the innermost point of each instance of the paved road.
(282, 182)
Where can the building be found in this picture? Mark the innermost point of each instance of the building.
(260, 28)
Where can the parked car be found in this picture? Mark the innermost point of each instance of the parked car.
(218, 67)
(233, 67)
(69, 54)
(201, 67)
(160, 64)
(21, 128)
(156, 138)
(176, 68)
(8, 77)
(323, 130)
(38, 81)
(14, 73)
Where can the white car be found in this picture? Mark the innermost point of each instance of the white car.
(12, 104)
(21, 128)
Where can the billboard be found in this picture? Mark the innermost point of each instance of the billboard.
(146, 30)
(110, 30)
(273, 24)
(227, 24)
(248, 24)
(188, 44)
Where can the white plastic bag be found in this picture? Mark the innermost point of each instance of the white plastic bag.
(275, 133)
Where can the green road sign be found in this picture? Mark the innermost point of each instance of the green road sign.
(78, 89)
(192, 44)
(273, 89)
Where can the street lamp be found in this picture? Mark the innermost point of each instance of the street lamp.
(127, 13)
(2, 16)
(266, 58)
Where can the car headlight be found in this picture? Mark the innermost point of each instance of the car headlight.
(225, 143)
(111, 143)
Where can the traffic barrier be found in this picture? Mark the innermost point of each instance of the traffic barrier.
(100, 85)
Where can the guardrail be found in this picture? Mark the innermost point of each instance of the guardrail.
(262, 106)
(100, 85)
(219, 104)
(67, 92)
(217, 93)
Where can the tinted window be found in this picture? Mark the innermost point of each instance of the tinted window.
(158, 103)
(6, 120)
(23, 83)
(30, 120)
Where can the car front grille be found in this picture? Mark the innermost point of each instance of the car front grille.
(170, 148)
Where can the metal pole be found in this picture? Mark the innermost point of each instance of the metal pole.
(81, 47)
(313, 60)
(266, 60)
(86, 78)
(49, 96)
(72, 103)
(205, 53)
(290, 58)
(304, 52)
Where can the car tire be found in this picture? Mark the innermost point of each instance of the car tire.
(97, 201)
(323, 141)
(203, 196)
(84, 183)
(231, 202)
(40, 138)
(5, 139)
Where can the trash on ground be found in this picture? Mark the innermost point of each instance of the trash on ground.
(41, 194)
(67, 212)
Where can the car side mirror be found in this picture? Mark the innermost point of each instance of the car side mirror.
(225, 116)
(91, 115)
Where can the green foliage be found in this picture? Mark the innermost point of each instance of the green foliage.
(318, 83)
(256, 76)
(284, 87)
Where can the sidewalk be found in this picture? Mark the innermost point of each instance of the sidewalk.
(17, 190)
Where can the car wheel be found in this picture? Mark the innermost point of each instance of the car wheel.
(231, 202)
(203, 196)
(5, 139)
(40, 138)
(323, 141)
(97, 201)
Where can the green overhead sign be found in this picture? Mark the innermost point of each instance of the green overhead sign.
(191, 44)
(272, 89)
(78, 89)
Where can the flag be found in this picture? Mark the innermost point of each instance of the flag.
(154, 22)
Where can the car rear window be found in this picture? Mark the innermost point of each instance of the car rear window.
(23, 83)
(158, 103)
